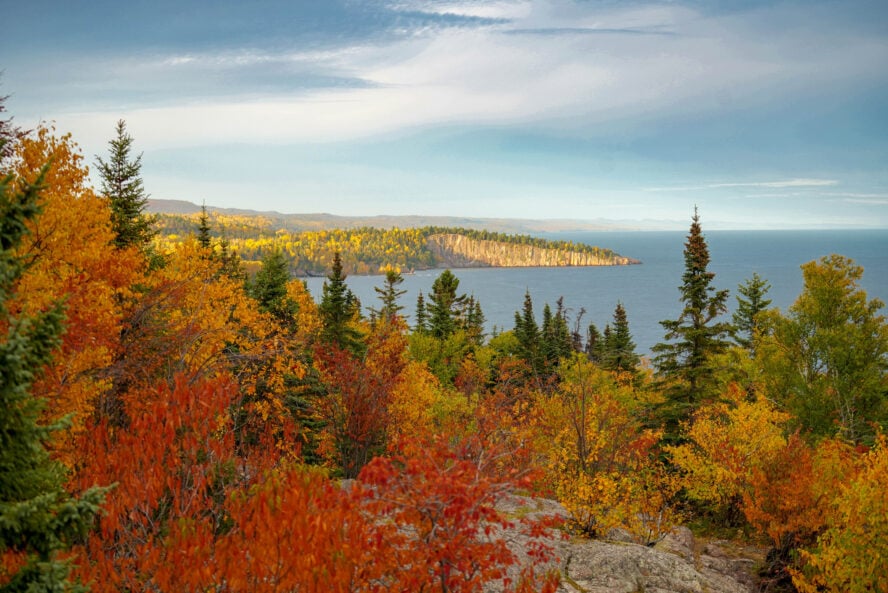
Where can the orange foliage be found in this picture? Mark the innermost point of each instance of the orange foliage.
(69, 260)
(791, 494)
(360, 390)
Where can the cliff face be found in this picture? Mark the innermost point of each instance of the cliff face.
(463, 252)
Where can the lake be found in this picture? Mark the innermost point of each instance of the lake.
(648, 291)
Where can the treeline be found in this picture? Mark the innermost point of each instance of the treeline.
(172, 423)
(364, 250)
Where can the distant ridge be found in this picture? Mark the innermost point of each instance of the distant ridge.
(320, 221)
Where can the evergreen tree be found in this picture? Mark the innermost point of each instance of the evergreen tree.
(338, 310)
(745, 322)
(619, 348)
(9, 135)
(38, 518)
(473, 320)
(594, 344)
(269, 287)
(528, 333)
(203, 229)
(389, 296)
(443, 312)
(560, 331)
(122, 185)
(230, 261)
(683, 361)
(422, 319)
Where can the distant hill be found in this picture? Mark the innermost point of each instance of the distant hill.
(368, 245)
(323, 221)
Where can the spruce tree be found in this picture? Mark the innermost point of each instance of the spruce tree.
(38, 518)
(528, 334)
(445, 305)
(269, 287)
(389, 295)
(422, 318)
(203, 229)
(594, 344)
(122, 186)
(619, 348)
(748, 308)
(693, 338)
(338, 310)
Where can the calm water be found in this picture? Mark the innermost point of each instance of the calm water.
(649, 291)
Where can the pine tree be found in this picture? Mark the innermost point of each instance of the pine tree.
(683, 362)
(38, 518)
(338, 310)
(445, 305)
(528, 333)
(473, 320)
(422, 319)
(619, 348)
(9, 135)
(389, 295)
(269, 287)
(594, 344)
(203, 229)
(745, 323)
(122, 185)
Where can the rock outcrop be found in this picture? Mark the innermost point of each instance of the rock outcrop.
(677, 564)
(460, 251)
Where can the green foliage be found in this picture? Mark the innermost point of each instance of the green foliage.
(750, 302)
(826, 360)
(363, 250)
(37, 517)
(339, 309)
(122, 185)
(269, 288)
(444, 310)
(389, 295)
(683, 361)
(618, 352)
(422, 318)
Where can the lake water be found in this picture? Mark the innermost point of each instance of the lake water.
(649, 291)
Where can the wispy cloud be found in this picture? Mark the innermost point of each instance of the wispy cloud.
(799, 182)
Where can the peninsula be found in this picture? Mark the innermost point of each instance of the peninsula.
(370, 250)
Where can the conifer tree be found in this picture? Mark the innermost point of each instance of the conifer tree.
(389, 295)
(422, 319)
(473, 320)
(122, 185)
(683, 361)
(619, 348)
(203, 228)
(745, 323)
(269, 287)
(594, 344)
(38, 518)
(528, 333)
(445, 305)
(338, 310)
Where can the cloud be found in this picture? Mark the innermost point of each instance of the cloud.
(766, 184)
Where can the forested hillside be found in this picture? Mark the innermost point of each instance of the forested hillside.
(172, 423)
(368, 250)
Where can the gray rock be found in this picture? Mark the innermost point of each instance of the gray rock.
(672, 566)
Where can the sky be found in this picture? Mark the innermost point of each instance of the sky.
(762, 114)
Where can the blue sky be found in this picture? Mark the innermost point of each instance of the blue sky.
(764, 114)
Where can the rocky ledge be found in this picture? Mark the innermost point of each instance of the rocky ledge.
(677, 564)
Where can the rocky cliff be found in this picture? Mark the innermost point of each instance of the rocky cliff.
(459, 251)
